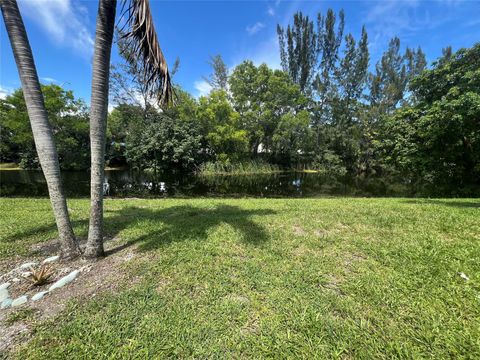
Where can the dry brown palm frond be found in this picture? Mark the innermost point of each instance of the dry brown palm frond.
(139, 32)
(40, 275)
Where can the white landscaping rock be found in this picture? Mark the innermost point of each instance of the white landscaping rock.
(4, 285)
(39, 295)
(19, 301)
(4, 294)
(64, 280)
(51, 259)
(27, 265)
(6, 303)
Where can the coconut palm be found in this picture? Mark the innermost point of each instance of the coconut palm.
(143, 40)
(41, 129)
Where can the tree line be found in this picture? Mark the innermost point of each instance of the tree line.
(328, 109)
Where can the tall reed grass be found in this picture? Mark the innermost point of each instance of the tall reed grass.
(241, 168)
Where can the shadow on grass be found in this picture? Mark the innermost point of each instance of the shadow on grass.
(452, 203)
(183, 223)
(160, 227)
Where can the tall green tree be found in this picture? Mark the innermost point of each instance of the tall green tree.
(292, 140)
(330, 40)
(218, 80)
(437, 139)
(392, 73)
(446, 54)
(351, 78)
(120, 120)
(388, 90)
(299, 50)
(262, 96)
(160, 142)
(344, 135)
(41, 128)
(69, 121)
(221, 126)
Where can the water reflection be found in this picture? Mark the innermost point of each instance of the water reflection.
(131, 183)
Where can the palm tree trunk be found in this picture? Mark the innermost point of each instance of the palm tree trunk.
(98, 123)
(41, 129)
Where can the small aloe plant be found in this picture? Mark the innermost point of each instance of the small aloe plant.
(41, 275)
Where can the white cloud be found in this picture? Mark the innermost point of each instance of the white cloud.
(265, 52)
(63, 21)
(4, 92)
(474, 22)
(387, 19)
(403, 18)
(48, 79)
(203, 88)
(271, 11)
(253, 29)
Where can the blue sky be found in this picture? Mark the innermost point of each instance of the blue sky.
(61, 33)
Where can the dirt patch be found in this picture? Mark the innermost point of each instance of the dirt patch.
(162, 285)
(351, 259)
(333, 284)
(238, 299)
(299, 231)
(303, 250)
(334, 281)
(300, 251)
(251, 327)
(336, 229)
(321, 233)
(342, 227)
(46, 248)
(95, 278)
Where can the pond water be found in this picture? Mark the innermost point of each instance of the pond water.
(128, 183)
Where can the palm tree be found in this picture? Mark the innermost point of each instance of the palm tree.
(143, 40)
(41, 129)
(98, 122)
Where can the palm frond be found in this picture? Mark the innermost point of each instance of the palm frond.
(139, 32)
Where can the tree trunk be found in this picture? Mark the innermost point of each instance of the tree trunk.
(41, 129)
(98, 123)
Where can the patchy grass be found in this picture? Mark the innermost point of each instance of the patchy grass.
(300, 278)
(21, 314)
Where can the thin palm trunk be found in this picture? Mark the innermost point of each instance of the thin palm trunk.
(145, 46)
(41, 129)
(98, 123)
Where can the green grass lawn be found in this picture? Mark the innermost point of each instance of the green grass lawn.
(310, 278)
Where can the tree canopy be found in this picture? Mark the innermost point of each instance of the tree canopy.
(68, 117)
